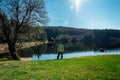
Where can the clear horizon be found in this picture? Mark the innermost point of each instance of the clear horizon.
(89, 14)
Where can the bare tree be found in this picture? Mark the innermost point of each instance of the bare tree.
(16, 15)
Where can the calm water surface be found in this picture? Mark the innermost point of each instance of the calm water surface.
(75, 54)
(48, 51)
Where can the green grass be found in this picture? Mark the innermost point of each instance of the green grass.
(3, 59)
(105, 67)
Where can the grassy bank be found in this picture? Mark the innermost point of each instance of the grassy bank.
(4, 47)
(105, 67)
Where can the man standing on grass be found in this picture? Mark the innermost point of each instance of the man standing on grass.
(60, 50)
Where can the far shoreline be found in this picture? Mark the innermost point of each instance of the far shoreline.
(4, 47)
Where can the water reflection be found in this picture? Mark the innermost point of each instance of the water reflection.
(49, 51)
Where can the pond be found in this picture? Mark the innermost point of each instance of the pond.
(48, 51)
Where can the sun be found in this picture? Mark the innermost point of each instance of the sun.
(77, 4)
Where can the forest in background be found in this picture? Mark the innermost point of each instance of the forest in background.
(68, 34)
(88, 36)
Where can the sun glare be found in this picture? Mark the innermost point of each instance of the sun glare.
(76, 4)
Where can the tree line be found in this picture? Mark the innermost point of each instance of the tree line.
(87, 36)
(68, 34)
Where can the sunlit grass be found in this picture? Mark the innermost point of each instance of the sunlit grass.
(105, 67)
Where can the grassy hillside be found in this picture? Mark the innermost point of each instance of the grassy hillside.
(85, 68)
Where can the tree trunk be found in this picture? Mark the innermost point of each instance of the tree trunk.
(12, 51)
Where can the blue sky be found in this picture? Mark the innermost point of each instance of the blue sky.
(91, 14)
